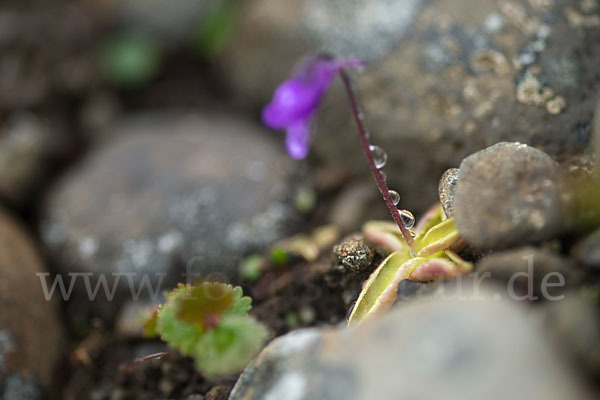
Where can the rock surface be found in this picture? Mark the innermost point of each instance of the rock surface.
(31, 336)
(575, 325)
(529, 270)
(509, 194)
(587, 251)
(171, 194)
(446, 190)
(443, 79)
(469, 349)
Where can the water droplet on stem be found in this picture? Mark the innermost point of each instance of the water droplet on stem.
(379, 156)
(408, 220)
(394, 196)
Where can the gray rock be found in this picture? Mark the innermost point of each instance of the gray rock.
(469, 349)
(446, 190)
(17, 387)
(574, 323)
(31, 335)
(587, 251)
(171, 194)
(444, 78)
(529, 270)
(509, 194)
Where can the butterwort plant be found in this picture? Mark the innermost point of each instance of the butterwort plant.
(426, 253)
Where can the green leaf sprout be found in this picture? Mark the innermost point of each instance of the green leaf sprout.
(209, 321)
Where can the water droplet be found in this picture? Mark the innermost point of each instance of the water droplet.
(395, 197)
(384, 176)
(350, 311)
(407, 218)
(412, 232)
(379, 156)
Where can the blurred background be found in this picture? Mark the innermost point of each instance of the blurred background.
(130, 141)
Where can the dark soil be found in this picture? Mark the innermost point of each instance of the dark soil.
(104, 366)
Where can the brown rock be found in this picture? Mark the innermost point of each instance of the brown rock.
(31, 336)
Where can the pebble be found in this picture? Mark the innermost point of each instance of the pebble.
(354, 253)
(507, 195)
(587, 251)
(528, 270)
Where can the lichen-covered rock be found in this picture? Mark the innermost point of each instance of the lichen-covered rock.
(470, 349)
(354, 253)
(444, 78)
(31, 336)
(509, 194)
(171, 194)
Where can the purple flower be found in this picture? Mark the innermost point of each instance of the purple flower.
(296, 100)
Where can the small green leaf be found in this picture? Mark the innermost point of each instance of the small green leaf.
(203, 301)
(251, 267)
(228, 348)
(129, 59)
(209, 322)
(279, 256)
(150, 331)
(214, 29)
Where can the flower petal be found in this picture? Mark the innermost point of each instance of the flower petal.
(294, 99)
(297, 140)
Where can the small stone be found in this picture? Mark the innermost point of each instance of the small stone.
(354, 253)
(410, 290)
(509, 194)
(446, 190)
(529, 269)
(587, 251)
(31, 335)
